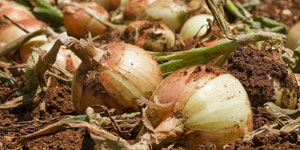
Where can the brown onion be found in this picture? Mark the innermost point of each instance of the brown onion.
(14, 11)
(135, 8)
(152, 36)
(293, 37)
(113, 76)
(109, 4)
(11, 32)
(207, 102)
(78, 23)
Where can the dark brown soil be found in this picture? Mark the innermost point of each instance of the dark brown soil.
(268, 141)
(284, 11)
(50, 106)
(256, 70)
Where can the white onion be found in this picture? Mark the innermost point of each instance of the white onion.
(211, 104)
(78, 23)
(115, 76)
(196, 24)
(152, 36)
(293, 37)
(169, 12)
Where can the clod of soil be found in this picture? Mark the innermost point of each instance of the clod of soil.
(257, 70)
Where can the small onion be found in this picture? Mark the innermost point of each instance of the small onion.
(109, 4)
(293, 37)
(196, 24)
(78, 23)
(65, 59)
(123, 73)
(211, 104)
(15, 11)
(152, 36)
(11, 32)
(170, 12)
(135, 8)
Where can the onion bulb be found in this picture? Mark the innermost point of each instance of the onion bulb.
(65, 59)
(135, 8)
(78, 23)
(109, 4)
(170, 12)
(210, 104)
(14, 11)
(195, 25)
(293, 37)
(113, 76)
(11, 32)
(150, 35)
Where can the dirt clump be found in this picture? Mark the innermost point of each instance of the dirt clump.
(258, 70)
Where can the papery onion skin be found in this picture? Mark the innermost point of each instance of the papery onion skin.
(293, 37)
(195, 25)
(11, 32)
(150, 35)
(79, 24)
(127, 72)
(213, 104)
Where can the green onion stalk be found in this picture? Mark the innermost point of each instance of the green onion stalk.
(45, 11)
(256, 22)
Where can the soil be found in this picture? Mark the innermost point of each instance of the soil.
(54, 104)
(284, 11)
(257, 70)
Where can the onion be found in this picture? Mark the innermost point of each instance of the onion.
(113, 77)
(293, 37)
(15, 11)
(11, 32)
(209, 103)
(109, 4)
(78, 23)
(135, 8)
(196, 24)
(169, 12)
(65, 59)
(152, 36)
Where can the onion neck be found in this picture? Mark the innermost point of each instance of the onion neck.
(84, 49)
